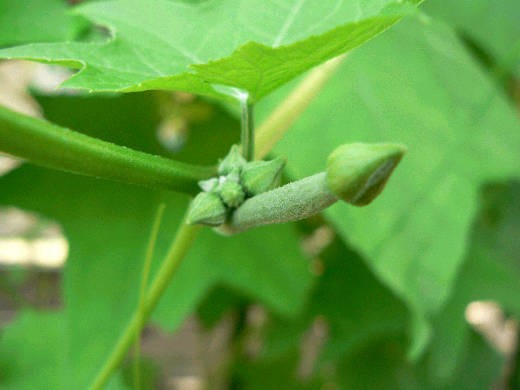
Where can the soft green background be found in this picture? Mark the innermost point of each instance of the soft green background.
(399, 273)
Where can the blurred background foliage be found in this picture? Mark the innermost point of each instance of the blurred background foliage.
(420, 290)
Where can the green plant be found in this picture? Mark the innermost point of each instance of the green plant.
(389, 291)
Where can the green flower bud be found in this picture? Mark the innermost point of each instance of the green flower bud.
(209, 185)
(233, 160)
(358, 172)
(231, 193)
(261, 176)
(207, 209)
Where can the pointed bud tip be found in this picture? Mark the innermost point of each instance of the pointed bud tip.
(206, 209)
(232, 193)
(232, 161)
(261, 176)
(357, 173)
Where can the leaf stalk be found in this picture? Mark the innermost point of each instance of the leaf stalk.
(56, 147)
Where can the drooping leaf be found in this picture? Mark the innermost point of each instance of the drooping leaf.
(459, 131)
(107, 226)
(252, 46)
(38, 21)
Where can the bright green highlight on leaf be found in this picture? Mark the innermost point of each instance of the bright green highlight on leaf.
(190, 47)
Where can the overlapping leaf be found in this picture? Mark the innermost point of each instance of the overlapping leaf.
(244, 44)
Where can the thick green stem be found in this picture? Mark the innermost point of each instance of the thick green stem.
(52, 146)
(183, 241)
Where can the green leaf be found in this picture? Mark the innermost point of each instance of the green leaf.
(382, 364)
(349, 301)
(492, 25)
(280, 372)
(39, 21)
(194, 47)
(491, 272)
(28, 367)
(459, 131)
(368, 310)
(107, 226)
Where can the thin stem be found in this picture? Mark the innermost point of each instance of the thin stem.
(183, 241)
(142, 291)
(52, 146)
(282, 118)
(248, 130)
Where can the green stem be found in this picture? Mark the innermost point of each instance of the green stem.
(271, 131)
(183, 240)
(248, 130)
(282, 118)
(142, 292)
(291, 202)
(52, 146)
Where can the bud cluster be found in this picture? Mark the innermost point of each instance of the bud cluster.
(238, 180)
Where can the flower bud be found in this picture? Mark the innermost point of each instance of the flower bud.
(209, 185)
(261, 176)
(358, 172)
(231, 193)
(207, 209)
(234, 160)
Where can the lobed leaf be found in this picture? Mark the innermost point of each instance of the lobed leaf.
(200, 47)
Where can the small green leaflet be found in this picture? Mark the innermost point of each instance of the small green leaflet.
(249, 45)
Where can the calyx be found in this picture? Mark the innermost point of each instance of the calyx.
(238, 180)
